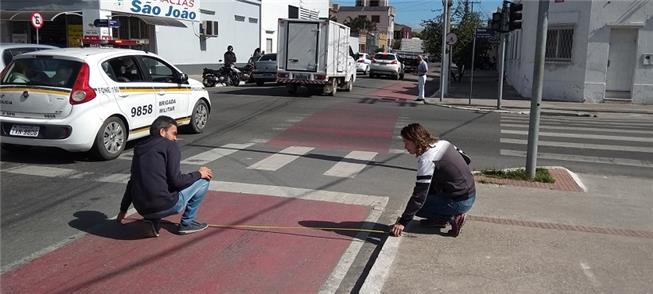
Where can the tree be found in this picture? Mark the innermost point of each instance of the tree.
(463, 24)
(396, 44)
(359, 24)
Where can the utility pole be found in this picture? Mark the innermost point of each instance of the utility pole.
(444, 61)
(536, 94)
(471, 81)
(504, 42)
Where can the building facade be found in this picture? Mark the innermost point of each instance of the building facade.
(402, 32)
(190, 34)
(596, 51)
(273, 10)
(376, 11)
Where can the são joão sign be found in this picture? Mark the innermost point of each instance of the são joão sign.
(177, 9)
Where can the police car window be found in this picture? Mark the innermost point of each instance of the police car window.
(123, 70)
(42, 72)
(8, 54)
(159, 71)
(268, 57)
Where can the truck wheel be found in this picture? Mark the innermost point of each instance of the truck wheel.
(199, 117)
(292, 90)
(350, 85)
(332, 89)
(397, 76)
(401, 76)
(110, 139)
(259, 83)
(15, 148)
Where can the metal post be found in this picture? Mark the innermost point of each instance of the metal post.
(471, 80)
(443, 61)
(37, 36)
(536, 99)
(501, 68)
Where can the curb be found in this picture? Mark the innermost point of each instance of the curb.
(380, 271)
(513, 111)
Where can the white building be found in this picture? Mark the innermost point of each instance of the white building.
(273, 10)
(195, 35)
(596, 50)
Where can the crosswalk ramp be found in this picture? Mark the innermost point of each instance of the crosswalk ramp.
(268, 158)
(626, 142)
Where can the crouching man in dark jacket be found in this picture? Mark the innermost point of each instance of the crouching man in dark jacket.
(157, 188)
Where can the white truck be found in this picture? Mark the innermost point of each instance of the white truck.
(315, 54)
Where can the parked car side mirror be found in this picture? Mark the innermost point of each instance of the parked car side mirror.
(182, 78)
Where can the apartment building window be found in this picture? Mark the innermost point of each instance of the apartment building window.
(376, 18)
(253, 20)
(359, 2)
(559, 44)
(239, 18)
(374, 3)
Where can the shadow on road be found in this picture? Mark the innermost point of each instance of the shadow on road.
(371, 237)
(97, 223)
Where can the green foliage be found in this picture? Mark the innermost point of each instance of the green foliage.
(359, 24)
(463, 24)
(541, 175)
(396, 44)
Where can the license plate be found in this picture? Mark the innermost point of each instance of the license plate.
(301, 76)
(24, 131)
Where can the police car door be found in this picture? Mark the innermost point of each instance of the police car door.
(133, 93)
(172, 98)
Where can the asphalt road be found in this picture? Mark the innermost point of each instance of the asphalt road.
(349, 144)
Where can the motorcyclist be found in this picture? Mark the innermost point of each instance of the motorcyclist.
(229, 56)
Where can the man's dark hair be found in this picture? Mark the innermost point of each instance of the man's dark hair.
(161, 122)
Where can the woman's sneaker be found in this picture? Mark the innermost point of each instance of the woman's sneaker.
(457, 223)
(192, 228)
(433, 223)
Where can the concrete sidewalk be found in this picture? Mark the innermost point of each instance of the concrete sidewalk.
(529, 240)
(485, 99)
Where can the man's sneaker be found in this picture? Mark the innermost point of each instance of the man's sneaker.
(433, 222)
(192, 228)
(155, 226)
(457, 223)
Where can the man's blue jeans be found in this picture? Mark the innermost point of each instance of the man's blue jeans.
(190, 199)
(441, 206)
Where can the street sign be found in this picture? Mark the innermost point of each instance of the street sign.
(106, 23)
(37, 20)
(451, 38)
(484, 33)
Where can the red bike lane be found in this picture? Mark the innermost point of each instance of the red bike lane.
(119, 259)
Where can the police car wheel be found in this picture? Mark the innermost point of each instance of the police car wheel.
(110, 140)
(199, 118)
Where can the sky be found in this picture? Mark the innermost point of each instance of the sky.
(412, 12)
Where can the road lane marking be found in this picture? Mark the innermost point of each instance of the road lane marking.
(580, 145)
(115, 178)
(602, 129)
(581, 158)
(346, 169)
(584, 122)
(215, 154)
(584, 136)
(281, 159)
(43, 171)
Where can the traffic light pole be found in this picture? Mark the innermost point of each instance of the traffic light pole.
(444, 61)
(471, 81)
(536, 94)
(504, 40)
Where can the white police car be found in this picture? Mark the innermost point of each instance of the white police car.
(96, 99)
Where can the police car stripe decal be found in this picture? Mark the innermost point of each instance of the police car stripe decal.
(183, 120)
(155, 89)
(36, 90)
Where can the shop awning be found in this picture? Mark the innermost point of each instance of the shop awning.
(153, 20)
(27, 15)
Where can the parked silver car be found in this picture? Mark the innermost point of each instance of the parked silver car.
(265, 69)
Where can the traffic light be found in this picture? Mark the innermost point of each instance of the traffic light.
(515, 16)
(495, 23)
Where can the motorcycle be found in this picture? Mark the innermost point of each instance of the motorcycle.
(246, 72)
(224, 75)
(210, 77)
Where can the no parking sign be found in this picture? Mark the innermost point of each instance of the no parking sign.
(37, 23)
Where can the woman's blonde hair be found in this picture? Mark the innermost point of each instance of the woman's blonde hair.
(417, 134)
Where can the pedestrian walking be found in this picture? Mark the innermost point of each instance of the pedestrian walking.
(444, 190)
(422, 69)
(157, 188)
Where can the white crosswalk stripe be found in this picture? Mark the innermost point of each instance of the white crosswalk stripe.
(215, 153)
(281, 159)
(615, 142)
(345, 169)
